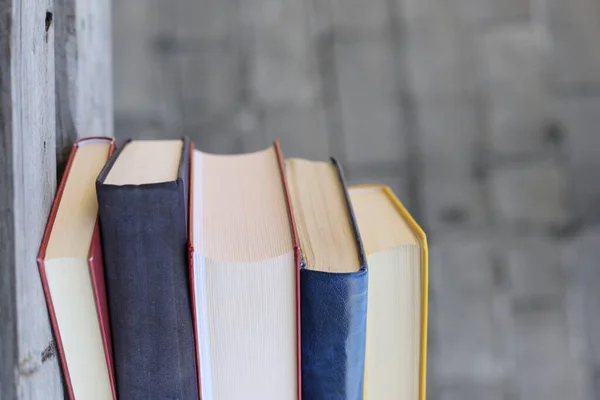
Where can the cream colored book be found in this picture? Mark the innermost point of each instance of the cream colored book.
(72, 274)
(396, 247)
(244, 271)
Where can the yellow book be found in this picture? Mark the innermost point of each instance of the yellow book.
(396, 248)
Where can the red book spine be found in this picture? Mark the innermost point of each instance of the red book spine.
(191, 263)
(298, 258)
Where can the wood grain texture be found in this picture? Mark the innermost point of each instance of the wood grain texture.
(83, 72)
(43, 110)
(8, 356)
(29, 367)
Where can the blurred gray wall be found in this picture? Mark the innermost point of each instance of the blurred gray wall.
(482, 115)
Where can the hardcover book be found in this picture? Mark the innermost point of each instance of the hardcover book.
(143, 204)
(333, 282)
(72, 274)
(396, 249)
(244, 269)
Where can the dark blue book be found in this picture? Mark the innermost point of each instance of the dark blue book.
(333, 282)
(143, 205)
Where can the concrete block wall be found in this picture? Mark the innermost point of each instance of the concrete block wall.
(482, 116)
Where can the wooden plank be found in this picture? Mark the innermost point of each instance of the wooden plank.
(8, 357)
(84, 96)
(29, 366)
(42, 111)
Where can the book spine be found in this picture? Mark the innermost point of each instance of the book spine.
(334, 317)
(144, 239)
(334, 325)
(190, 261)
(297, 259)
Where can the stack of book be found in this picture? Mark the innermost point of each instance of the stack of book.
(171, 273)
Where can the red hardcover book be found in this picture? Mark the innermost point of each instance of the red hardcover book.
(244, 278)
(72, 274)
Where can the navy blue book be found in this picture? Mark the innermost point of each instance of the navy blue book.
(143, 205)
(333, 282)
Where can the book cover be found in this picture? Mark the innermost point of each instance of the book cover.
(422, 240)
(298, 258)
(333, 316)
(144, 235)
(96, 274)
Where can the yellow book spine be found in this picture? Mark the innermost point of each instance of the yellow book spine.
(420, 234)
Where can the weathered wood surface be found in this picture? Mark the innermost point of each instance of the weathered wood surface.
(83, 71)
(46, 102)
(28, 179)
